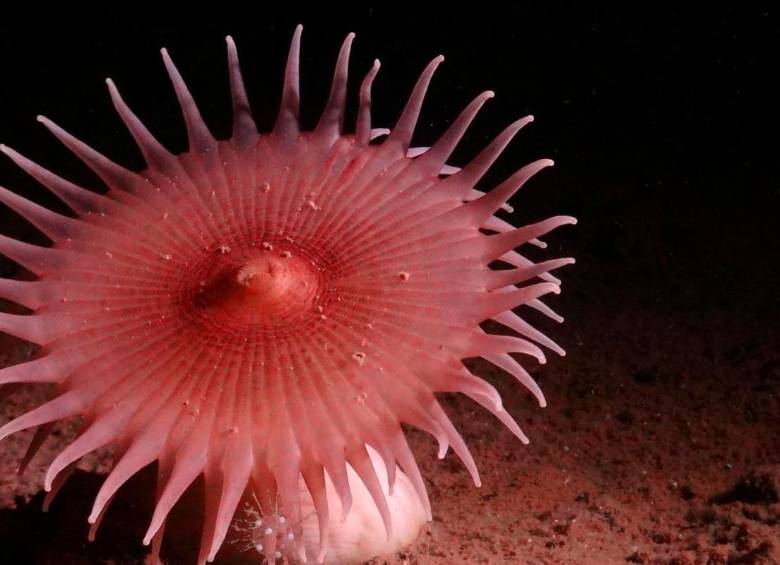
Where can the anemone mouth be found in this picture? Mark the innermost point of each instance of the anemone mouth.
(260, 310)
(264, 289)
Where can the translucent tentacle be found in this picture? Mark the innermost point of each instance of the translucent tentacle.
(546, 310)
(315, 482)
(499, 279)
(55, 226)
(236, 470)
(401, 135)
(64, 406)
(514, 322)
(482, 208)
(363, 122)
(434, 159)
(506, 362)
(287, 123)
(464, 181)
(332, 119)
(26, 293)
(80, 200)
(360, 461)
(200, 138)
(244, 127)
(33, 258)
(41, 370)
(499, 244)
(112, 174)
(155, 154)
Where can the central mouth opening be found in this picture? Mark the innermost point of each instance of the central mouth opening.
(263, 287)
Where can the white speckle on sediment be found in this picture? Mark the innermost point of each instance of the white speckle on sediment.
(286, 254)
(404, 276)
(267, 246)
(265, 187)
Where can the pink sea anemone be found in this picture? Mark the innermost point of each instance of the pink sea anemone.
(259, 310)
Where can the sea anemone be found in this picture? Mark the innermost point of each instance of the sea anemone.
(263, 310)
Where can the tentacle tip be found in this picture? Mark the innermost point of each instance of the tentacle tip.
(299, 28)
(376, 64)
(92, 518)
(229, 40)
(48, 481)
(542, 402)
(438, 59)
(40, 118)
(477, 482)
(524, 440)
(517, 125)
(350, 36)
(147, 539)
(488, 94)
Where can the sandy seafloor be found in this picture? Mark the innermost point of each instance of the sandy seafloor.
(660, 444)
